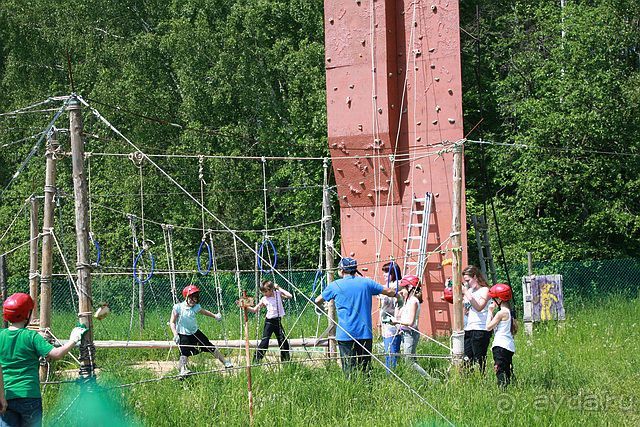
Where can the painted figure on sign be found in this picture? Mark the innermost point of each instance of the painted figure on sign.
(547, 300)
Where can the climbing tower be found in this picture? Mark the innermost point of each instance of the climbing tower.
(394, 104)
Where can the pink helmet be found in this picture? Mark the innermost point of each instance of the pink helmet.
(502, 291)
(409, 281)
(17, 307)
(190, 290)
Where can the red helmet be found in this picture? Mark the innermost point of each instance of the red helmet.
(17, 307)
(409, 281)
(502, 291)
(448, 295)
(190, 290)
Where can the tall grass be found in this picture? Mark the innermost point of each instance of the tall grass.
(583, 371)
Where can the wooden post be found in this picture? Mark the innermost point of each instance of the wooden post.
(3, 283)
(47, 241)
(526, 297)
(33, 256)
(328, 244)
(83, 266)
(457, 337)
(247, 356)
(47, 238)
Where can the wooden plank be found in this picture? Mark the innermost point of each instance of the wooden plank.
(295, 342)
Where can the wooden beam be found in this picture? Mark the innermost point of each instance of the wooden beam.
(295, 342)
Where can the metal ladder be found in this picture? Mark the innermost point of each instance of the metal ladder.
(484, 248)
(417, 231)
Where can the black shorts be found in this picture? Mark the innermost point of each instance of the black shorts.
(194, 344)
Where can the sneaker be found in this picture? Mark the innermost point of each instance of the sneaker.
(228, 365)
(184, 372)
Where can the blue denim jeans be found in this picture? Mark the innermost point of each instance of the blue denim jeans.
(391, 350)
(23, 412)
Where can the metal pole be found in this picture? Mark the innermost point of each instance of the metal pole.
(328, 242)
(83, 266)
(47, 238)
(457, 337)
(3, 283)
(33, 256)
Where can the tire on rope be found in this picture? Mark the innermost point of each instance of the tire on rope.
(204, 244)
(98, 248)
(260, 257)
(135, 267)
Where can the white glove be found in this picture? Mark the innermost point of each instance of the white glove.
(218, 316)
(77, 333)
(176, 339)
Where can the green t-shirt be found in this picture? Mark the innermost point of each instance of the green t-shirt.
(20, 351)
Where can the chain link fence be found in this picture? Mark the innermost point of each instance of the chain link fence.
(583, 281)
(141, 311)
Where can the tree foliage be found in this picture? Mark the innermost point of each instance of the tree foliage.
(559, 86)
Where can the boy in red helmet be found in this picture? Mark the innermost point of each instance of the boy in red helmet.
(20, 353)
(185, 330)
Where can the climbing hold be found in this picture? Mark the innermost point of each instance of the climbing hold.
(435, 122)
(452, 121)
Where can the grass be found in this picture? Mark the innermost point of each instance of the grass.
(580, 372)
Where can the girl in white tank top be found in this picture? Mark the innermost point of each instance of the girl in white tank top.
(504, 346)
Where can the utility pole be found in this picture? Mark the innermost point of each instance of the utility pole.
(33, 255)
(457, 336)
(83, 266)
(328, 242)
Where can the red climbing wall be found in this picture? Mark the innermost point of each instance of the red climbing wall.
(394, 95)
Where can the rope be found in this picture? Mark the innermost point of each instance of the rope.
(24, 205)
(167, 233)
(35, 147)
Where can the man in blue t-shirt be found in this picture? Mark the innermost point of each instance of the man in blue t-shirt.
(353, 298)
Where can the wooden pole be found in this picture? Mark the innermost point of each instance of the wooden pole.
(328, 244)
(33, 256)
(527, 302)
(47, 241)
(247, 356)
(457, 337)
(83, 266)
(47, 238)
(3, 283)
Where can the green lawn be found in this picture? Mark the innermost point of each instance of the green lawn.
(581, 372)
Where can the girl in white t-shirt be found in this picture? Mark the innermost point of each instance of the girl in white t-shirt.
(272, 296)
(476, 335)
(505, 326)
(407, 320)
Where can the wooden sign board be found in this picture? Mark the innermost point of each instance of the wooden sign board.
(547, 302)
